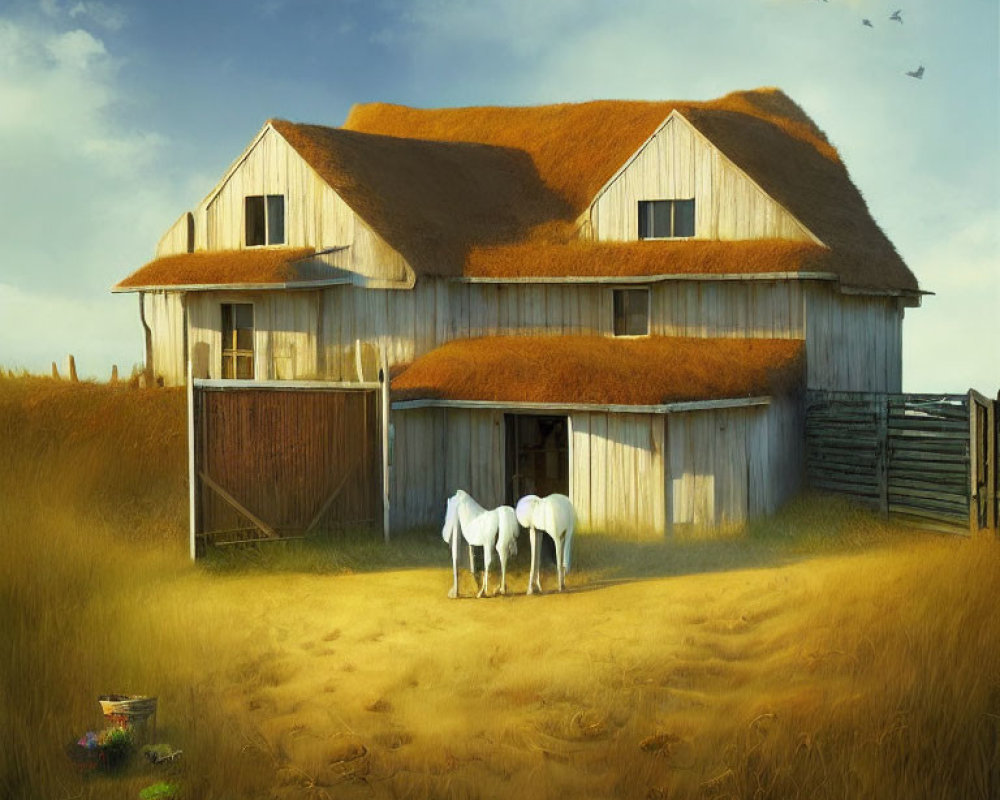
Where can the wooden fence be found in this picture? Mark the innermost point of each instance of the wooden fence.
(930, 459)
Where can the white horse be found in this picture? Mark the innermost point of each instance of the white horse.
(556, 516)
(480, 528)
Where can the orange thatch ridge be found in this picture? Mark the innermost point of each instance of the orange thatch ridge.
(602, 370)
(577, 147)
(621, 259)
(220, 267)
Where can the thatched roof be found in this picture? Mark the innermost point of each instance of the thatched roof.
(572, 150)
(625, 259)
(280, 265)
(602, 370)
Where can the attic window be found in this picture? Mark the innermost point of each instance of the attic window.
(237, 340)
(631, 308)
(666, 219)
(265, 219)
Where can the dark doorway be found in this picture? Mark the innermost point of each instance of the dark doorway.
(537, 461)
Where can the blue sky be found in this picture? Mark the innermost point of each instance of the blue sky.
(116, 117)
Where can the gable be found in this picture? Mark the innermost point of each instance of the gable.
(315, 216)
(678, 163)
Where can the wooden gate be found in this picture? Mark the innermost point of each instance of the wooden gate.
(983, 432)
(282, 460)
(930, 459)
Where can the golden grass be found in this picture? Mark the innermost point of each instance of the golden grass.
(822, 655)
(600, 369)
(694, 257)
(263, 265)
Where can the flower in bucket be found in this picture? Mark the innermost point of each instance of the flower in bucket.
(110, 746)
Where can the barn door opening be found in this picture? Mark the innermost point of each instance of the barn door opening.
(536, 460)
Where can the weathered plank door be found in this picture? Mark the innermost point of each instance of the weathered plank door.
(272, 463)
(982, 462)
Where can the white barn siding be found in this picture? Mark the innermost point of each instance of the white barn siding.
(176, 239)
(853, 342)
(726, 466)
(466, 447)
(678, 163)
(734, 309)
(164, 314)
(616, 473)
(315, 215)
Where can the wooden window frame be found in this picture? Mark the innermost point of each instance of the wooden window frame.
(266, 222)
(672, 205)
(233, 353)
(623, 293)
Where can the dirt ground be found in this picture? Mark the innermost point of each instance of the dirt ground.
(378, 685)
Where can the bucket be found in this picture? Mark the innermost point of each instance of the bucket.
(133, 711)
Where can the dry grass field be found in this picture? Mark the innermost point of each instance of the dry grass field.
(822, 654)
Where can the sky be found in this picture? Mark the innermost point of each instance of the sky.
(117, 117)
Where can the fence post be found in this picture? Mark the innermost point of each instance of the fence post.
(991, 465)
(383, 375)
(882, 452)
(973, 464)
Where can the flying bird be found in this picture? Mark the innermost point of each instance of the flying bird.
(896, 16)
(917, 73)
(867, 22)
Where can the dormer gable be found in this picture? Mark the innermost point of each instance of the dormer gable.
(679, 185)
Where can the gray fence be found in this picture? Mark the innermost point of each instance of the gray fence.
(928, 458)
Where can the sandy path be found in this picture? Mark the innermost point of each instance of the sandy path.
(379, 683)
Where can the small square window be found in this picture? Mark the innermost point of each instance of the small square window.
(631, 309)
(265, 219)
(666, 219)
(237, 340)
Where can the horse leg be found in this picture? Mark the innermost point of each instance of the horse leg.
(503, 574)
(454, 566)
(560, 570)
(533, 565)
(487, 560)
(472, 564)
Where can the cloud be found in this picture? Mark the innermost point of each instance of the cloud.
(83, 200)
(110, 17)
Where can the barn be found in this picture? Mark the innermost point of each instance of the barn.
(620, 300)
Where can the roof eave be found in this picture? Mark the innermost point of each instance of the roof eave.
(513, 405)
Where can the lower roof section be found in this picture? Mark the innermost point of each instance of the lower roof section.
(253, 268)
(576, 371)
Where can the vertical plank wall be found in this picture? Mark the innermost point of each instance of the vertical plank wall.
(617, 473)
(853, 342)
(164, 314)
(469, 445)
(726, 466)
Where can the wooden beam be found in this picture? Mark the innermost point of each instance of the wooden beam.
(559, 408)
(628, 280)
(314, 386)
(239, 507)
(192, 466)
(973, 462)
(333, 495)
(384, 378)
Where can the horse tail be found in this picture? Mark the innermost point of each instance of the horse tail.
(567, 546)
